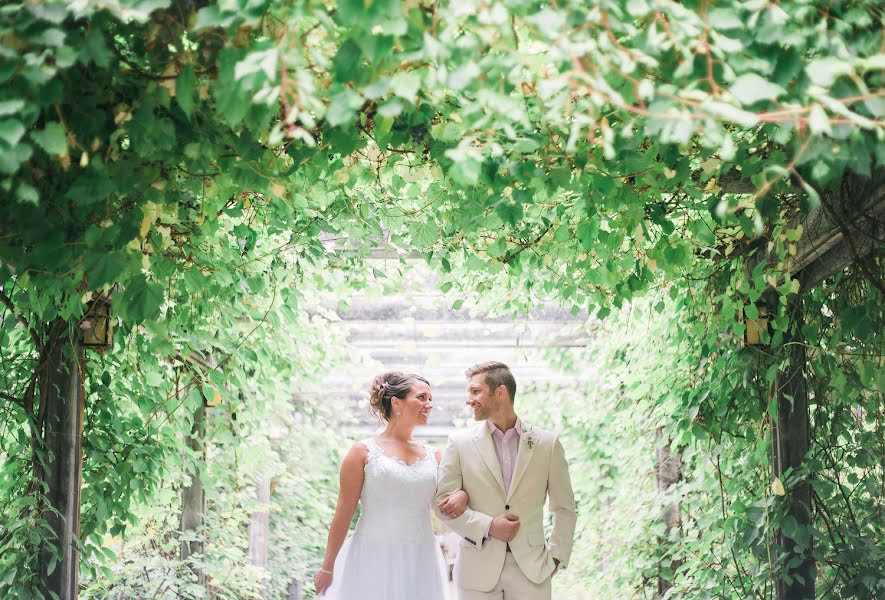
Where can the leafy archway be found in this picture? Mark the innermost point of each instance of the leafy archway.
(202, 164)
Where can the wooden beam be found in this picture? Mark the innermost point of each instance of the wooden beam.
(734, 182)
(669, 468)
(259, 528)
(63, 395)
(295, 589)
(193, 497)
(789, 449)
(846, 227)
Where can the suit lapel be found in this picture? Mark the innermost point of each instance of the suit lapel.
(523, 457)
(482, 438)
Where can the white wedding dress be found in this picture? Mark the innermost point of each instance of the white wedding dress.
(393, 553)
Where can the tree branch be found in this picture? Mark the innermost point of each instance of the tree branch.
(6, 396)
(8, 302)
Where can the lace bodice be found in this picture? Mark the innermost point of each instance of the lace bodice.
(396, 497)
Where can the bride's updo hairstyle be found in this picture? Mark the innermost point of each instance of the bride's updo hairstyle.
(388, 386)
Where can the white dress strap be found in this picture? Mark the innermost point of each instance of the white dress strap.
(372, 446)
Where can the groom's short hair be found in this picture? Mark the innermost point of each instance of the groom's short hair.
(496, 375)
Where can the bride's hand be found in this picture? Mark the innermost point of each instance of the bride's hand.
(455, 505)
(322, 580)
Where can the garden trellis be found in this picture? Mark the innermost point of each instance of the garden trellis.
(187, 160)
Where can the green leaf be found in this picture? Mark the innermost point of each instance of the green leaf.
(391, 108)
(52, 138)
(875, 62)
(525, 145)
(11, 159)
(211, 16)
(28, 193)
(510, 212)
(142, 300)
(818, 121)
(731, 113)
(703, 233)
(95, 49)
(185, 88)
(11, 131)
(586, 232)
(342, 107)
(347, 62)
(264, 61)
(10, 107)
(550, 22)
(405, 85)
(461, 77)
(499, 248)
(104, 268)
(772, 402)
(790, 526)
(725, 18)
(751, 88)
(465, 171)
(824, 71)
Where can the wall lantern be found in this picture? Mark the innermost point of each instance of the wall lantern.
(97, 325)
(755, 328)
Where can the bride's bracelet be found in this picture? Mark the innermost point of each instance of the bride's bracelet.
(325, 571)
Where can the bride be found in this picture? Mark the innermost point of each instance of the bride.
(393, 554)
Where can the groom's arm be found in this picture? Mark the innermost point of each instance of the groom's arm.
(562, 506)
(472, 525)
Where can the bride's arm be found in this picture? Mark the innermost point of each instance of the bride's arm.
(351, 478)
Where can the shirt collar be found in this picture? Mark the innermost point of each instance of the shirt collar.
(494, 428)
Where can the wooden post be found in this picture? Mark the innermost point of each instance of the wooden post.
(295, 589)
(789, 447)
(668, 474)
(193, 498)
(259, 527)
(63, 395)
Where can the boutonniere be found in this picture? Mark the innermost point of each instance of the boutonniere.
(529, 437)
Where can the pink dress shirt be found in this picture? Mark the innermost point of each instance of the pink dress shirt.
(506, 447)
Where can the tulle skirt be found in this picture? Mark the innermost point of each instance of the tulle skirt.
(376, 569)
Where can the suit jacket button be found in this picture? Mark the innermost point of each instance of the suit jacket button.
(506, 507)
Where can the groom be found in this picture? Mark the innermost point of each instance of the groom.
(508, 469)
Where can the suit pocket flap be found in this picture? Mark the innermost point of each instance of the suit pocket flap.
(537, 539)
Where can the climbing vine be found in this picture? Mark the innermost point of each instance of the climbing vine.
(203, 164)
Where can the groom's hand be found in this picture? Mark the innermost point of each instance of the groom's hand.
(504, 527)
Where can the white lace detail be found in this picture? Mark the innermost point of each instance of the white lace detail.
(396, 496)
(375, 451)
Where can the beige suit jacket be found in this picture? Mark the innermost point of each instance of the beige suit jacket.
(541, 471)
